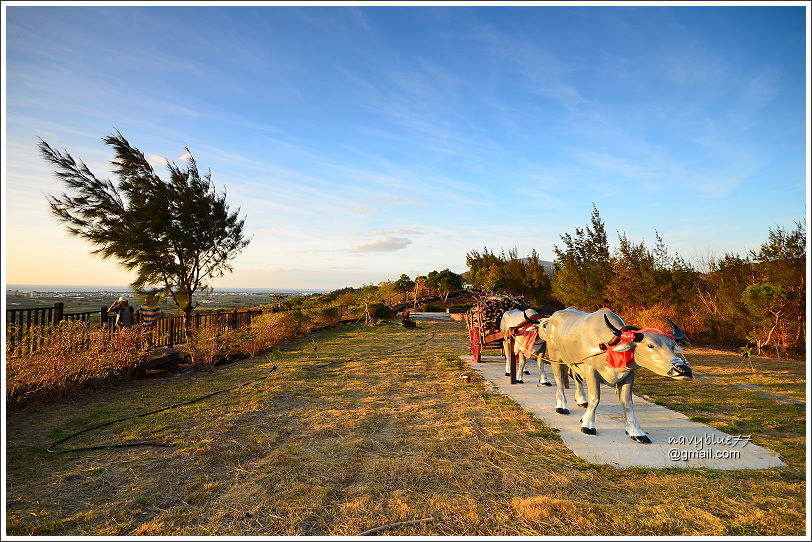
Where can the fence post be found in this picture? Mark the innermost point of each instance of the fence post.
(103, 312)
(59, 310)
(171, 331)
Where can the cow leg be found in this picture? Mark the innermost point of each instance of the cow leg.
(542, 374)
(520, 368)
(633, 428)
(580, 396)
(559, 373)
(594, 391)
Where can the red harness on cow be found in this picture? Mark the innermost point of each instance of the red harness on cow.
(620, 360)
(525, 340)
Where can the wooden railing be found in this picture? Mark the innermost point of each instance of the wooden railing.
(410, 297)
(28, 329)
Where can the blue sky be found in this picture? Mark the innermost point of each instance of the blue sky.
(365, 142)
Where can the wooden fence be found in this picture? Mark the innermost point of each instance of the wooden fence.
(410, 297)
(28, 329)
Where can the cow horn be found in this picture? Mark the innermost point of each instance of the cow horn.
(675, 330)
(615, 330)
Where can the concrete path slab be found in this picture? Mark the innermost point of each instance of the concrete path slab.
(676, 440)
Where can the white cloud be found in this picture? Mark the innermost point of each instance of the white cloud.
(362, 209)
(719, 187)
(400, 231)
(185, 156)
(609, 163)
(384, 244)
(155, 160)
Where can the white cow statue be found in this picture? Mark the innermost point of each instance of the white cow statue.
(513, 318)
(600, 349)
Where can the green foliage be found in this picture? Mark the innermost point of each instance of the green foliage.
(175, 235)
(509, 274)
(582, 268)
(645, 278)
(404, 284)
(446, 281)
(760, 298)
(763, 298)
(783, 245)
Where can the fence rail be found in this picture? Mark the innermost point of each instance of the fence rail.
(28, 329)
(412, 297)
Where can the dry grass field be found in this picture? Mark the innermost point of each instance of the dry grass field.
(360, 427)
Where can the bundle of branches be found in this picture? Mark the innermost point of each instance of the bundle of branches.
(486, 314)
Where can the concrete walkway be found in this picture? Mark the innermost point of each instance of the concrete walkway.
(676, 440)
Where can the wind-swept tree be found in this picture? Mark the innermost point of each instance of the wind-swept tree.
(175, 235)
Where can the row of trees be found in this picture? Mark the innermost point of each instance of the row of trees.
(757, 299)
(446, 281)
(507, 273)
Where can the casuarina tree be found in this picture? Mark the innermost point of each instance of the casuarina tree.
(175, 234)
(583, 267)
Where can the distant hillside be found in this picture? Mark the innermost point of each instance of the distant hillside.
(548, 266)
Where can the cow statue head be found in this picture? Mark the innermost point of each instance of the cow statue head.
(653, 349)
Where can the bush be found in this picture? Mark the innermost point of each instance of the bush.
(381, 311)
(319, 318)
(269, 329)
(73, 356)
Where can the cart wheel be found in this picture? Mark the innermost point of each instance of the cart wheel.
(475, 349)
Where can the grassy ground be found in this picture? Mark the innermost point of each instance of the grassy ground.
(387, 431)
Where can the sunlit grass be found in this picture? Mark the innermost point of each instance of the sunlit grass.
(385, 431)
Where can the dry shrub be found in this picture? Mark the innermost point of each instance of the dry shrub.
(655, 317)
(74, 355)
(206, 345)
(269, 330)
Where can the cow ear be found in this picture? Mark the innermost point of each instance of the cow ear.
(624, 347)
